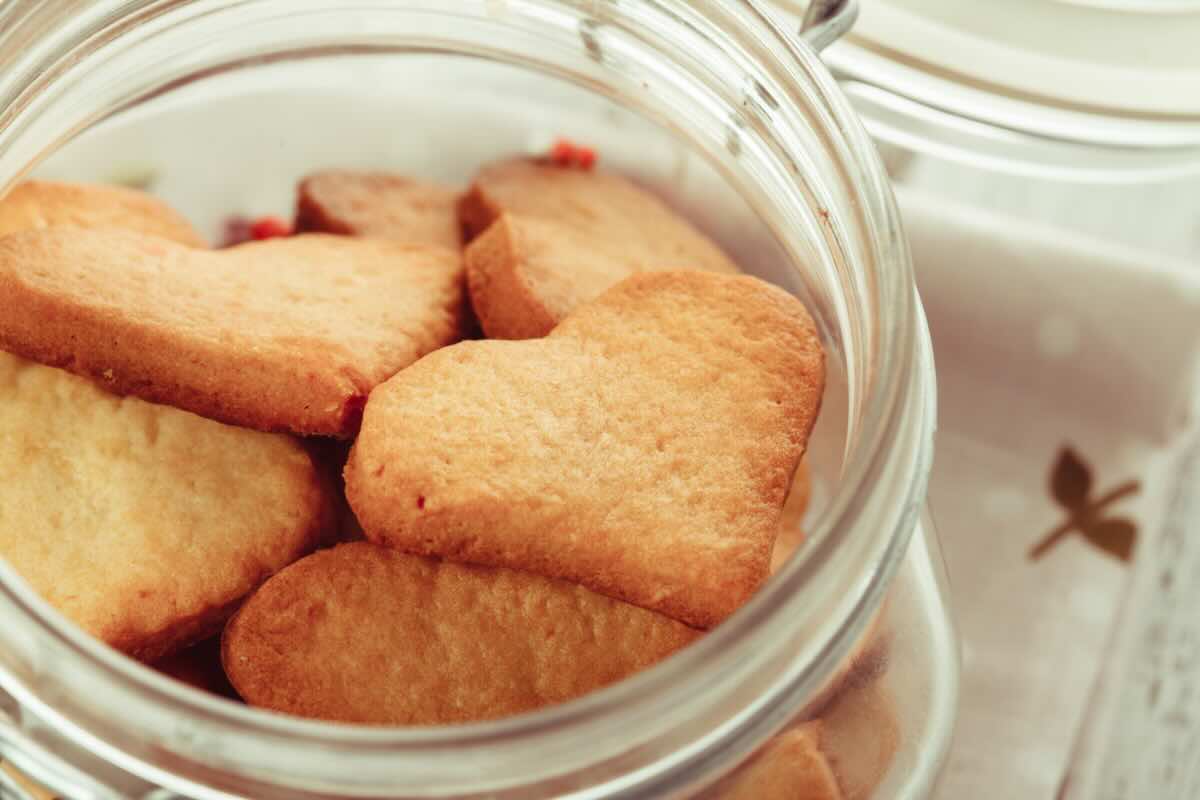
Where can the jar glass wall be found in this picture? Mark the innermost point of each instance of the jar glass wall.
(712, 105)
(992, 107)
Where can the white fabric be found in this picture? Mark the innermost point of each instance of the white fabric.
(1043, 339)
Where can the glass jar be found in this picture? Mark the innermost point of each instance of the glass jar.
(1076, 113)
(1117, 100)
(712, 103)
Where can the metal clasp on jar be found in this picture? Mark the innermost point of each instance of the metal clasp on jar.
(826, 21)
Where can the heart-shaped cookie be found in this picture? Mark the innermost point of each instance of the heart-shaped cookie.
(366, 634)
(860, 735)
(378, 204)
(144, 524)
(553, 237)
(644, 448)
(790, 767)
(281, 335)
(842, 755)
(42, 204)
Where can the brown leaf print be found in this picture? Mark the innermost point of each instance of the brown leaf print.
(1113, 536)
(1071, 480)
(1071, 486)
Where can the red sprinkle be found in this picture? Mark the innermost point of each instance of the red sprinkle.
(585, 157)
(566, 153)
(269, 228)
(562, 153)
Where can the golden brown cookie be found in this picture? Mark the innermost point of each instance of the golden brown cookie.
(860, 737)
(42, 204)
(281, 335)
(379, 204)
(144, 524)
(643, 449)
(790, 767)
(557, 237)
(842, 755)
(366, 634)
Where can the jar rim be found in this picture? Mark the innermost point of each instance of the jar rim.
(898, 404)
(971, 86)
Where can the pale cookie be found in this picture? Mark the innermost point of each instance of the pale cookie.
(144, 524)
(282, 335)
(643, 449)
(557, 237)
(43, 204)
(790, 767)
(860, 737)
(843, 755)
(366, 634)
(379, 204)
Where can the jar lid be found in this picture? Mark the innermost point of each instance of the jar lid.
(1117, 74)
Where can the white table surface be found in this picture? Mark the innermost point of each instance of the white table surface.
(1162, 217)
(1139, 736)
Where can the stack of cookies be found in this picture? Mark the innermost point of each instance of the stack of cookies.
(438, 457)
